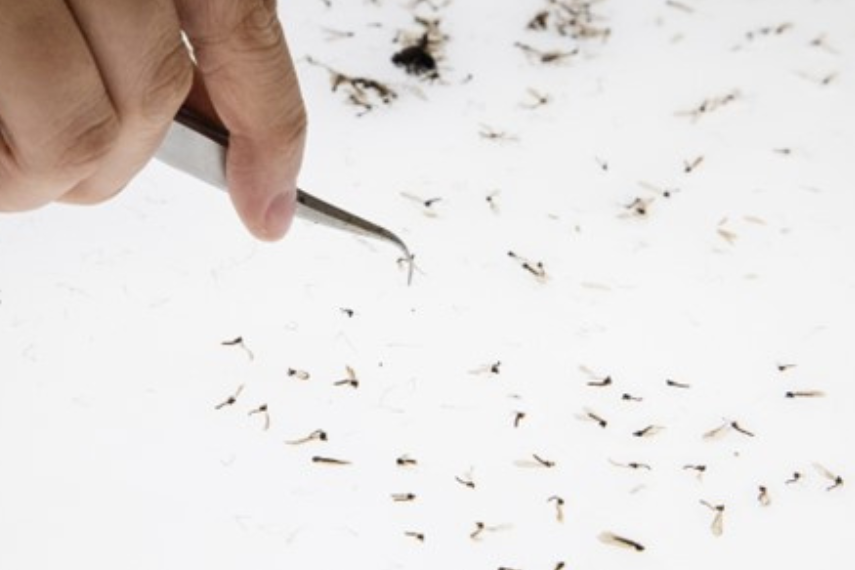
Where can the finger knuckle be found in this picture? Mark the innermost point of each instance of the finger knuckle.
(90, 133)
(167, 84)
(260, 31)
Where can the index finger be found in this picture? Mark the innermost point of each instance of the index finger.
(246, 68)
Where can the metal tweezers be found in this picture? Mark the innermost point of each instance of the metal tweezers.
(197, 147)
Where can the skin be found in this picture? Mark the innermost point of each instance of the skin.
(88, 89)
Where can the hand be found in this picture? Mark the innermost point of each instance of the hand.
(88, 90)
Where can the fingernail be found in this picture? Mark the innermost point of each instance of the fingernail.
(279, 215)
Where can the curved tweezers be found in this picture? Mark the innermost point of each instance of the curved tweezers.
(198, 147)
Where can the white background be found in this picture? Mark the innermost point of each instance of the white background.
(111, 318)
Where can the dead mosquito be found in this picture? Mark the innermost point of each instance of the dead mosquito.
(298, 374)
(649, 431)
(491, 200)
(664, 192)
(727, 426)
(836, 480)
(417, 59)
(317, 435)
(417, 535)
(768, 30)
(717, 525)
(541, 56)
(795, 478)
(518, 417)
(403, 497)
(679, 6)
(406, 461)
(333, 35)
(538, 462)
(804, 394)
(763, 496)
(351, 379)
(349, 312)
(559, 507)
(361, 91)
(785, 367)
(602, 163)
(262, 409)
(675, 384)
(468, 482)
(536, 99)
(697, 468)
(537, 269)
(711, 104)
(493, 134)
(426, 204)
(329, 460)
(481, 528)
(589, 415)
(492, 368)
(621, 541)
(230, 401)
(239, 342)
(631, 465)
(630, 398)
(690, 166)
(639, 206)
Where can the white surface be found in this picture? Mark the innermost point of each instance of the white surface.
(111, 318)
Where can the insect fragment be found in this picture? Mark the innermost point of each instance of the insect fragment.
(230, 401)
(621, 541)
(717, 525)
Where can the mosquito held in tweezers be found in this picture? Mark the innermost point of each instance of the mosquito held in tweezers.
(317, 435)
(230, 401)
(351, 379)
(239, 342)
(559, 507)
(262, 409)
(836, 480)
(621, 541)
(717, 525)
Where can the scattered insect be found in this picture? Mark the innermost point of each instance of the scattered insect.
(491, 201)
(785, 367)
(535, 269)
(493, 134)
(230, 401)
(417, 59)
(351, 379)
(804, 394)
(821, 42)
(239, 342)
(717, 525)
(298, 374)
(588, 414)
(538, 462)
(607, 381)
(317, 435)
(262, 409)
(648, 431)
(603, 164)
(417, 535)
(630, 398)
(406, 461)
(545, 56)
(763, 496)
(481, 528)
(426, 204)
(735, 425)
(403, 497)
(559, 566)
(711, 104)
(664, 192)
(836, 480)
(361, 91)
(348, 312)
(467, 482)
(690, 166)
(721, 430)
(631, 465)
(537, 99)
(795, 478)
(492, 368)
(329, 460)
(785, 151)
(698, 469)
(675, 384)
(559, 507)
(333, 35)
(621, 541)
(518, 417)
(768, 30)
(639, 206)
